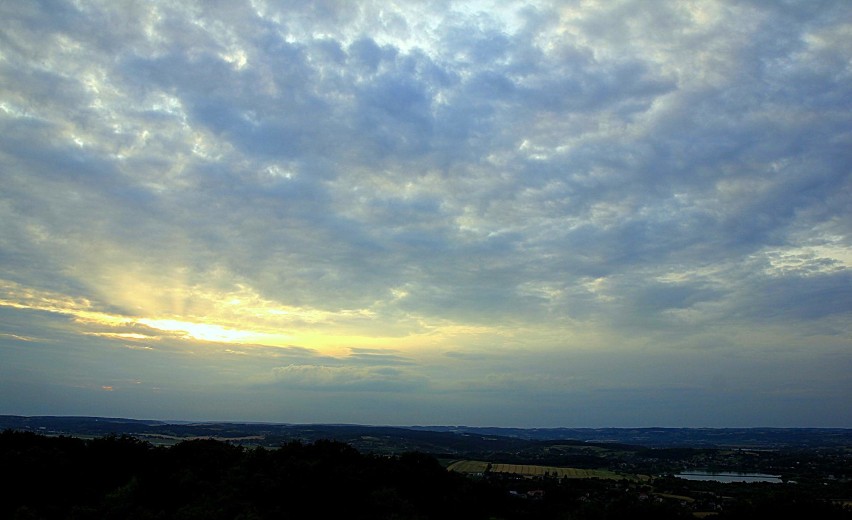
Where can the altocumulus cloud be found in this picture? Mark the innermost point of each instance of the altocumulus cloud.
(640, 208)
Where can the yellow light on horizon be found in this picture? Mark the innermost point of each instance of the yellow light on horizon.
(200, 331)
(244, 318)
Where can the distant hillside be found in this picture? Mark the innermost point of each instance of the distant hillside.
(446, 440)
(673, 437)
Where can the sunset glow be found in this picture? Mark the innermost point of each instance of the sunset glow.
(546, 213)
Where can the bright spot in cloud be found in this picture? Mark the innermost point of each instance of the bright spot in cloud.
(522, 213)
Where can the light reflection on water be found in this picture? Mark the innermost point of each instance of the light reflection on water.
(727, 476)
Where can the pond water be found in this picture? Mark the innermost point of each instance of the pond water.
(727, 476)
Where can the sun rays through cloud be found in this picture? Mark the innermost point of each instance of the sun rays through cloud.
(548, 213)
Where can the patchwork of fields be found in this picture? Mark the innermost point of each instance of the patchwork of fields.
(526, 470)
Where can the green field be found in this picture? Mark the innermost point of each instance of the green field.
(477, 466)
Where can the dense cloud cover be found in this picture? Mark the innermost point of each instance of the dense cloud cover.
(576, 213)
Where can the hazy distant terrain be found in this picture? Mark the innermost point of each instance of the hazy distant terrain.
(431, 439)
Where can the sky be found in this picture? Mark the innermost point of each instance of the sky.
(553, 213)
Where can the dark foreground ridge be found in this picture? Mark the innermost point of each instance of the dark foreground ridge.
(92, 467)
(122, 477)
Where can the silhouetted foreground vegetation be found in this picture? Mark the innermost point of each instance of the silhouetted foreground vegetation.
(121, 477)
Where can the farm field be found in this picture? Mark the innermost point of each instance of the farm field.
(528, 470)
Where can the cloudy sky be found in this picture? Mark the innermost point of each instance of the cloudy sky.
(543, 213)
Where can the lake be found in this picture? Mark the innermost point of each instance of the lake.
(727, 476)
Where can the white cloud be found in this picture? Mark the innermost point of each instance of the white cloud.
(419, 178)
